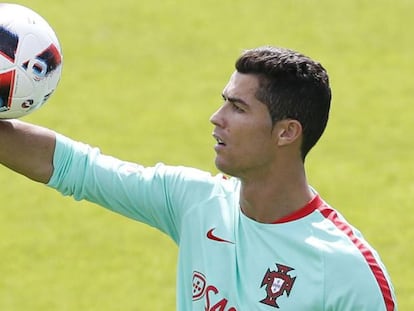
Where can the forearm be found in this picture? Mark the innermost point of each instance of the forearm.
(27, 149)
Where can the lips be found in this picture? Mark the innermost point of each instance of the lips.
(219, 140)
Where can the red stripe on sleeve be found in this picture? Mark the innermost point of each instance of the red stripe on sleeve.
(379, 275)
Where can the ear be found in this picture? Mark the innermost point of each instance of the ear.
(288, 131)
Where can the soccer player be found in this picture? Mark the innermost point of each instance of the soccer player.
(261, 239)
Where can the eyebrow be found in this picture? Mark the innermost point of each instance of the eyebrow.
(234, 99)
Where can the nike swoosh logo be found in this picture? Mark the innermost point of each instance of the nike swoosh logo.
(212, 236)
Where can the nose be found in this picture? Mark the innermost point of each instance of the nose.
(216, 118)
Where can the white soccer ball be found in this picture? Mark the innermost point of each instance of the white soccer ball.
(30, 61)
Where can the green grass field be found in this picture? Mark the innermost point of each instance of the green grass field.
(140, 81)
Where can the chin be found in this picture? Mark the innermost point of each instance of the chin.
(225, 168)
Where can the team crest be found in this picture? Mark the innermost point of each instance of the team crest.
(277, 283)
(199, 285)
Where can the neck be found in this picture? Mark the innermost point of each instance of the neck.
(274, 196)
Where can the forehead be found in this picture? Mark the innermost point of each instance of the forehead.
(241, 85)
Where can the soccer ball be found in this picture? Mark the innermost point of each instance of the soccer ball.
(30, 61)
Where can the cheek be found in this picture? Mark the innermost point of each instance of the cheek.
(252, 132)
(258, 132)
(257, 142)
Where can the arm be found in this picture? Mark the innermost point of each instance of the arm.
(27, 149)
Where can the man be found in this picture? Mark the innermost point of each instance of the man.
(262, 239)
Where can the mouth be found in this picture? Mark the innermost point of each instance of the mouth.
(219, 140)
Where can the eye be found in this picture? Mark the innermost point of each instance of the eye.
(234, 103)
(236, 107)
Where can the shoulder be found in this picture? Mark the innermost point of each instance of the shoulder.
(340, 242)
(354, 273)
(188, 174)
(192, 175)
(191, 182)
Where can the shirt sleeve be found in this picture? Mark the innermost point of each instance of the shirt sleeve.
(157, 196)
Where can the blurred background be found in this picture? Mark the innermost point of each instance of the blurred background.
(141, 79)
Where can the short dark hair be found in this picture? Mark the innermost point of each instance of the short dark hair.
(292, 86)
